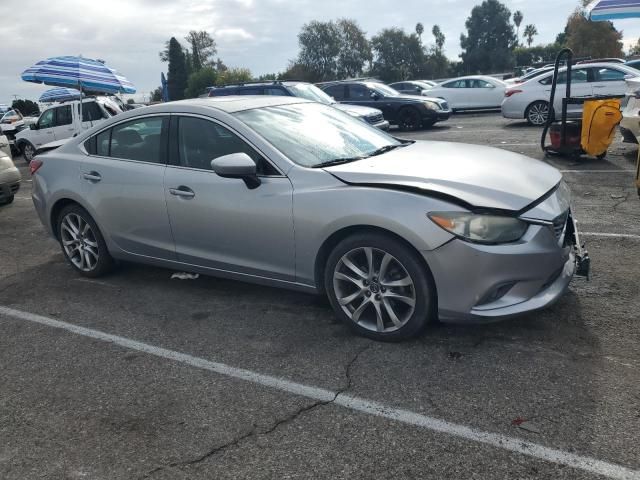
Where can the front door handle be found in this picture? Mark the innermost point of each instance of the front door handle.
(92, 176)
(182, 191)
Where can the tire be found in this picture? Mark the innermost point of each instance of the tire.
(82, 243)
(536, 113)
(368, 304)
(7, 200)
(28, 152)
(409, 119)
(428, 123)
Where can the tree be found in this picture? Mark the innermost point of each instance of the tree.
(397, 56)
(156, 95)
(329, 50)
(26, 107)
(234, 75)
(517, 19)
(298, 71)
(536, 55)
(199, 81)
(487, 46)
(177, 75)
(594, 39)
(419, 30)
(635, 49)
(530, 31)
(439, 37)
(203, 49)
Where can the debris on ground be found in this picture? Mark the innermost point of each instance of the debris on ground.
(518, 421)
(617, 196)
(185, 276)
(455, 355)
(525, 424)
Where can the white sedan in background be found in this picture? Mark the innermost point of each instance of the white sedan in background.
(530, 100)
(473, 92)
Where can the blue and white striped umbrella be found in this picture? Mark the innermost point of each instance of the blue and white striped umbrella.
(59, 94)
(83, 73)
(600, 10)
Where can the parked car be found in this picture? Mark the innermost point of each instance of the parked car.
(12, 122)
(291, 193)
(413, 87)
(9, 175)
(469, 93)
(630, 123)
(633, 63)
(601, 60)
(530, 100)
(309, 91)
(409, 112)
(528, 76)
(61, 121)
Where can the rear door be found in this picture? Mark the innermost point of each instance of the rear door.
(123, 179)
(218, 222)
(581, 86)
(483, 94)
(609, 81)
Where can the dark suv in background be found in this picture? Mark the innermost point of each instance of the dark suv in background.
(409, 112)
(304, 90)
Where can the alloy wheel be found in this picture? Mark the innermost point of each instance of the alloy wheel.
(79, 242)
(538, 113)
(28, 152)
(374, 289)
(409, 119)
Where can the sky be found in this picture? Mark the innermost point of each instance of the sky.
(257, 34)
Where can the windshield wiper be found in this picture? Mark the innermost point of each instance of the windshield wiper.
(337, 161)
(385, 149)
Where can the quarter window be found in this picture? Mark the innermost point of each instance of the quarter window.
(609, 75)
(91, 112)
(102, 143)
(63, 115)
(200, 141)
(139, 139)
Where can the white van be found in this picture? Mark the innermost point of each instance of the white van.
(62, 121)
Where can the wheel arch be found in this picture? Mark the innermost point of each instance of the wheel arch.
(336, 237)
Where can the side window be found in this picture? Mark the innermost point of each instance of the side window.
(91, 112)
(46, 119)
(139, 139)
(336, 91)
(275, 91)
(609, 75)
(359, 92)
(577, 76)
(456, 84)
(63, 115)
(480, 84)
(250, 91)
(200, 141)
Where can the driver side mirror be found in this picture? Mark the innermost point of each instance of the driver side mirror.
(237, 165)
(418, 89)
(33, 126)
(375, 95)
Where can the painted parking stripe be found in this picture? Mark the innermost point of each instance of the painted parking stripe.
(597, 171)
(611, 235)
(362, 405)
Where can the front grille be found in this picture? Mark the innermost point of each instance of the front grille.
(559, 224)
(373, 119)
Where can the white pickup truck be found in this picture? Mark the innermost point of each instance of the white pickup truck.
(62, 121)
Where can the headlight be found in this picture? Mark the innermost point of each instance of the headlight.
(431, 105)
(479, 227)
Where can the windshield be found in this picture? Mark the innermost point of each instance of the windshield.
(385, 90)
(311, 92)
(311, 134)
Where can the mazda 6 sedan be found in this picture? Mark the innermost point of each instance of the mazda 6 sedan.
(290, 193)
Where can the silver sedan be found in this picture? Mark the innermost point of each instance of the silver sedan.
(295, 194)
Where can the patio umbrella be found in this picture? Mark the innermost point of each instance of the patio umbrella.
(600, 10)
(59, 94)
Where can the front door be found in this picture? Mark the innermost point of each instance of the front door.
(123, 184)
(44, 132)
(218, 222)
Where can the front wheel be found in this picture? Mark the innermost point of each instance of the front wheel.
(82, 243)
(379, 287)
(28, 152)
(409, 119)
(537, 113)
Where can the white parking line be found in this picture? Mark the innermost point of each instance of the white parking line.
(611, 235)
(362, 405)
(597, 171)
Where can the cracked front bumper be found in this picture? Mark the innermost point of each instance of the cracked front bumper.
(482, 283)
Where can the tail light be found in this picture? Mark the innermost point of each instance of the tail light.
(508, 93)
(34, 165)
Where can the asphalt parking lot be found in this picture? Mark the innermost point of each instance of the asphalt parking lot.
(136, 375)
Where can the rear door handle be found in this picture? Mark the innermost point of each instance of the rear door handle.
(182, 191)
(92, 176)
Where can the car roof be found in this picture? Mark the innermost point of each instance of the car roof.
(228, 104)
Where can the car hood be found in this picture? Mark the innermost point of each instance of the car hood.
(356, 110)
(478, 176)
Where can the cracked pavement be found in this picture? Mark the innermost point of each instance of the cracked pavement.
(77, 408)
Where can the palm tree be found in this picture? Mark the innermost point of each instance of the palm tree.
(517, 19)
(530, 31)
(419, 30)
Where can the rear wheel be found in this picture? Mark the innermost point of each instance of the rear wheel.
(7, 200)
(379, 287)
(82, 243)
(409, 119)
(28, 152)
(537, 113)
